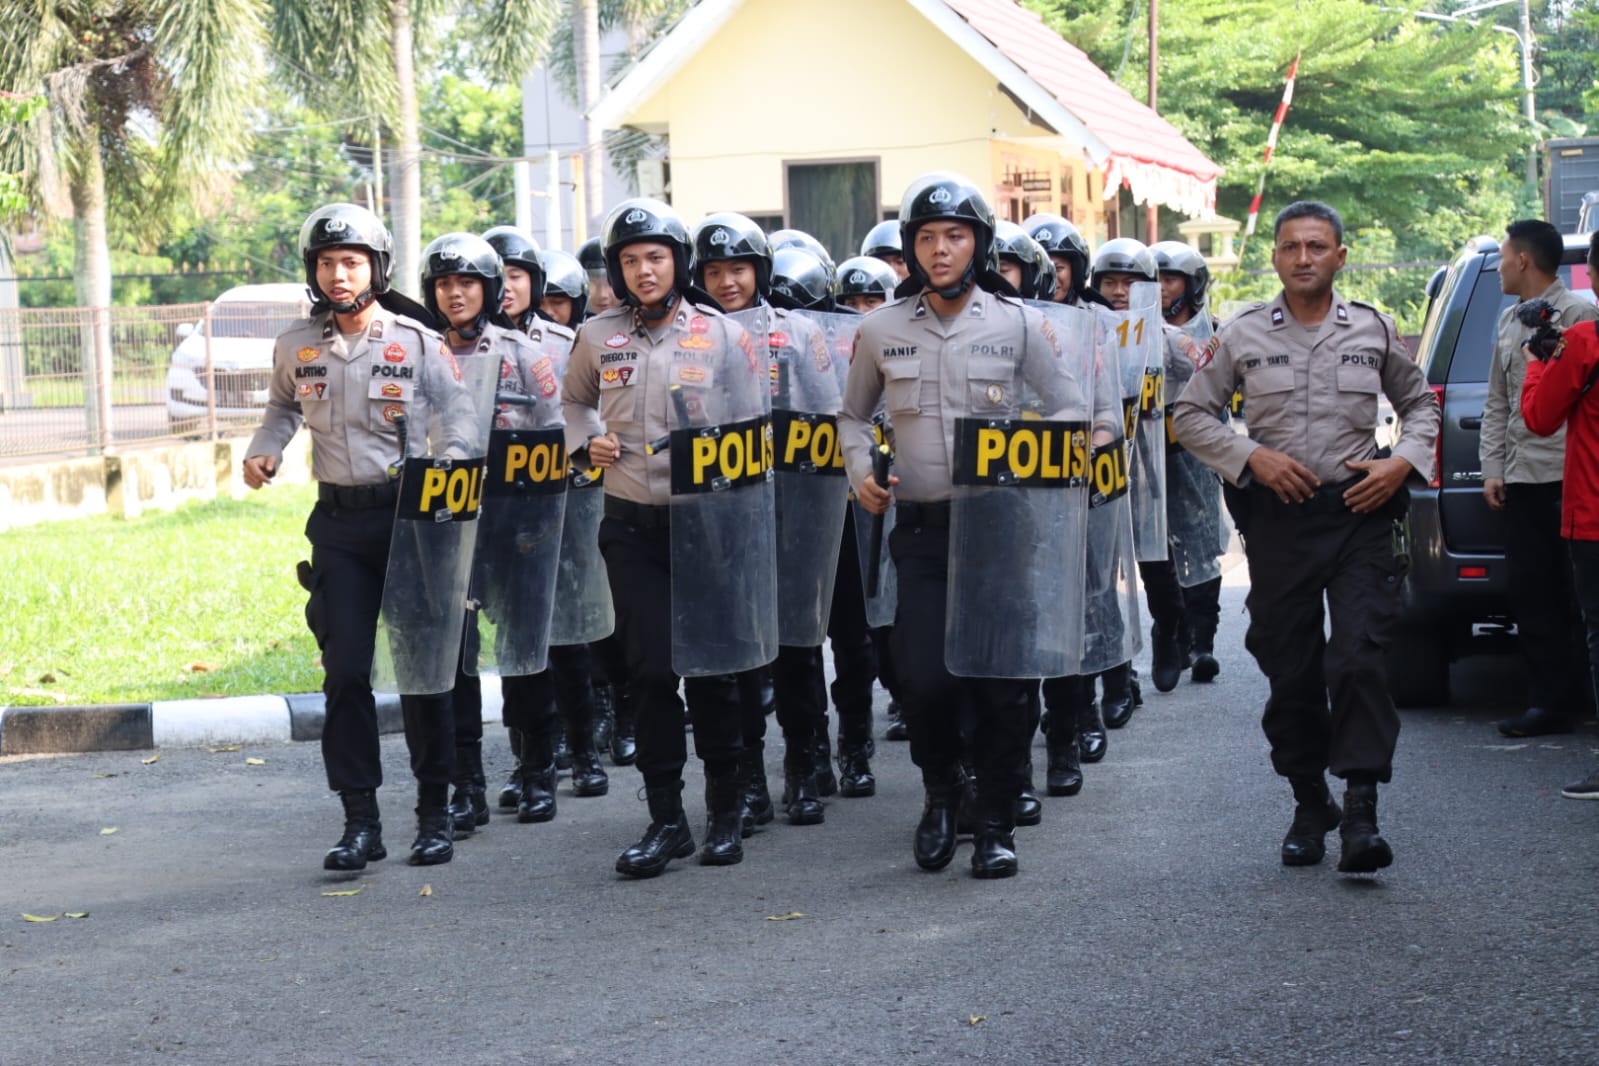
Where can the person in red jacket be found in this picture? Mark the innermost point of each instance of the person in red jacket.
(1559, 391)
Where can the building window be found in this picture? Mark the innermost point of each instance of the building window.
(768, 223)
(834, 202)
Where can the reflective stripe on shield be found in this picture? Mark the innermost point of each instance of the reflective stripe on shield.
(724, 540)
(1198, 533)
(1137, 336)
(1021, 472)
(446, 428)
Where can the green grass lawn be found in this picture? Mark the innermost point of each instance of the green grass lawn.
(198, 602)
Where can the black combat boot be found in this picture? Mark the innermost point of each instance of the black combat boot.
(511, 793)
(1365, 851)
(434, 832)
(1315, 815)
(362, 841)
(826, 780)
(897, 729)
(538, 794)
(801, 801)
(588, 776)
(1029, 809)
(1064, 776)
(1090, 727)
(935, 833)
(757, 800)
(1117, 701)
(563, 753)
(994, 842)
(855, 776)
(1166, 657)
(604, 718)
(668, 836)
(623, 746)
(724, 835)
(1205, 665)
(469, 807)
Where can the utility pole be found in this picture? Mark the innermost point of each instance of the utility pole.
(1152, 223)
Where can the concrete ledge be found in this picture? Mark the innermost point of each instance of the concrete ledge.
(239, 719)
(308, 714)
(44, 730)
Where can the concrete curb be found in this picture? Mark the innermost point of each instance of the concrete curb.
(189, 723)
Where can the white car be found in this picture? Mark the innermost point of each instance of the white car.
(245, 320)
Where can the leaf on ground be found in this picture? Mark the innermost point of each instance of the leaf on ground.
(151, 759)
(347, 892)
(36, 918)
(108, 830)
(253, 761)
(976, 1019)
(97, 776)
(789, 917)
(47, 679)
(77, 914)
(427, 890)
(230, 747)
(201, 668)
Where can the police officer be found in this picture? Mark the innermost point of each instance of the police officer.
(882, 241)
(865, 283)
(1068, 253)
(601, 297)
(326, 374)
(1315, 503)
(1197, 532)
(915, 351)
(1023, 262)
(617, 397)
(565, 299)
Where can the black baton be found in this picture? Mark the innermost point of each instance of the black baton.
(683, 417)
(882, 463)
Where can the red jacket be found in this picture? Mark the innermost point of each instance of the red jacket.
(1552, 396)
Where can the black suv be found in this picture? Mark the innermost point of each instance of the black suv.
(1457, 581)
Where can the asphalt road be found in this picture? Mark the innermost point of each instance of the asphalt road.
(1151, 922)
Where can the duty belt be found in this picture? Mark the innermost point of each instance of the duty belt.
(911, 514)
(358, 497)
(1329, 499)
(646, 516)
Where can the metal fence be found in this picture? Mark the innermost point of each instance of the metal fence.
(84, 380)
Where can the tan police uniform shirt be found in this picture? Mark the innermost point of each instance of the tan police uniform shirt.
(1507, 448)
(932, 373)
(349, 395)
(1312, 392)
(528, 394)
(618, 380)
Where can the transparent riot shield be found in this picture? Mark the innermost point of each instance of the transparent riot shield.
(524, 511)
(583, 609)
(871, 539)
(1140, 356)
(1197, 531)
(1017, 516)
(444, 435)
(1112, 627)
(810, 487)
(724, 538)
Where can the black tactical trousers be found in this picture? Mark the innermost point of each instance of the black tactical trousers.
(1585, 572)
(1202, 611)
(572, 666)
(528, 702)
(1162, 593)
(1329, 707)
(1548, 623)
(349, 555)
(798, 679)
(854, 656)
(638, 564)
(466, 698)
(933, 702)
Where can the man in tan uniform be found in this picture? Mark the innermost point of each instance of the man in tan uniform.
(1315, 503)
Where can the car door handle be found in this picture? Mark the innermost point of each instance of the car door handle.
(1471, 423)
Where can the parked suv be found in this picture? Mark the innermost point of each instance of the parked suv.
(245, 320)
(1457, 581)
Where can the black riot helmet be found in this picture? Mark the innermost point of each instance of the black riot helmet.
(1038, 273)
(1175, 257)
(1123, 256)
(592, 255)
(943, 196)
(866, 275)
(729, 235)
(644, 218)
(798, 238)
(883, 239)
(1059, 237)
(517, 249)
(346, 226)
(800, 281)
(472, 256)
(564, 276)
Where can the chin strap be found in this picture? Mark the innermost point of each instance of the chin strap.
(666, 309)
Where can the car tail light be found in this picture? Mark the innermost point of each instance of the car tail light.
(1437, 479)
(1473, 573)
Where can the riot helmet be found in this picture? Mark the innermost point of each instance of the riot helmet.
(883, 240)
(1059, 237)
(800, 281)
(639, 219)
(564, 276)
(1176, 257)
(592, 255)
(798, 238)
(469, 255)
(866, 275)
(943, 196)
(346, 226)
(517, 249)
(1011, 242)
(729, 235)
(1123, 255)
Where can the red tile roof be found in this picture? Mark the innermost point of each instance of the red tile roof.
(1146, 150)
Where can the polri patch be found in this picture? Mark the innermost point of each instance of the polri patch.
(305, 355)
(394, 353)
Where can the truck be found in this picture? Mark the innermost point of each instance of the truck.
(1570, 173)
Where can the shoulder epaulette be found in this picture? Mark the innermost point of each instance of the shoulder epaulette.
(427, 332)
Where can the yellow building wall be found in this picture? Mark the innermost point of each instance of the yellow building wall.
(826, 80)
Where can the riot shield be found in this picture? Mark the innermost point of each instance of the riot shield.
(810, 487)
(1140, 356)
(444, 432)
(583, 608)
(724, 538)
(1197, 532)
(1014, 605)
(882, 599)
(1112, 627)
(519, 539)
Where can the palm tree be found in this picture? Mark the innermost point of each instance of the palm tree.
(362, 55)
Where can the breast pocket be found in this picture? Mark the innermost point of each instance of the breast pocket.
(317, 407)
(1358, 387)
(621, 395)
(991, 386)
(902, 385)
(1271, 396)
